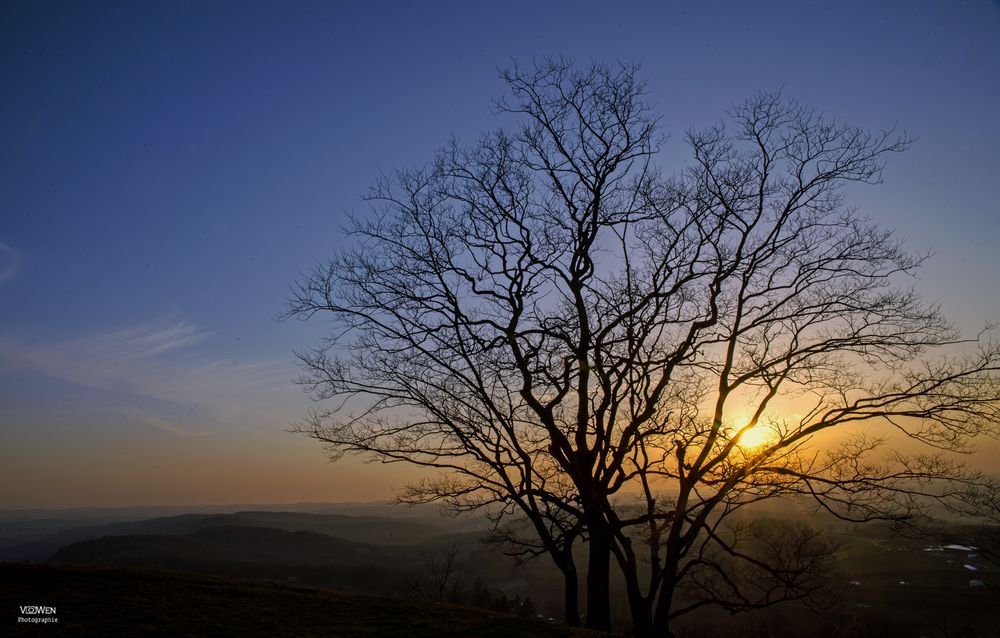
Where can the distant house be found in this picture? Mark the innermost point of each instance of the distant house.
(954, 548)
(960, 548)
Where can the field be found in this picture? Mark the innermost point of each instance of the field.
(96, 601)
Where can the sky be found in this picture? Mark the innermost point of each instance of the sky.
(168, 169)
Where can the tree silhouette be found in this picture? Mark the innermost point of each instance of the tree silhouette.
(978, 501)
(570, 336)
(444, 572)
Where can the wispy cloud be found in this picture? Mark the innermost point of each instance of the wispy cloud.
(105, 360)
(160, 361)
(164, 425)
(143, 341)
(10, 261)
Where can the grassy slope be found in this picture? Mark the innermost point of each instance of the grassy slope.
(94, 601)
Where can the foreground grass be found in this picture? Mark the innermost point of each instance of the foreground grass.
(97, 601)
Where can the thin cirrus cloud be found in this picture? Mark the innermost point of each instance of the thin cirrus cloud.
(160, 361)
(104, 360)
(152, 420)
(10, 261)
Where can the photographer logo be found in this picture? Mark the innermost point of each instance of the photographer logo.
(37, 614)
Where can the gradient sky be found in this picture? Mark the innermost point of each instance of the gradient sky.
(168, 168)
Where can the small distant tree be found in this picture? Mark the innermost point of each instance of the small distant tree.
(479, 595)
(501, 604)
(445, 573)
(568, 335)
(525, 608)
(440, 578)
(979, 502)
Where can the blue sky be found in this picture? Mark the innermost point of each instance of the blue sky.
(168, 168)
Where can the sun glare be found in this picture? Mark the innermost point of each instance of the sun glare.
(756, 436)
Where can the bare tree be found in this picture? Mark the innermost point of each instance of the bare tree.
(978, 502)
(442, 570)
(574, 338)
(804, 303)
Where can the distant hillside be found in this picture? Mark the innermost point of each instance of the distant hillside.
(369, 529)
(92, 601)
(19, 526)
(378, 530)
(255, 553)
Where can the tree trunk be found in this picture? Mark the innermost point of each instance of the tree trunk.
(598, 576)
(572, 594)
(640, 607)
(642, 620)
(661, 622)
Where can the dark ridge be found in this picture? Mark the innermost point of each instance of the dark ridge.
(368, 529)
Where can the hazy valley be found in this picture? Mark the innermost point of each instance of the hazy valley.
(883, 583)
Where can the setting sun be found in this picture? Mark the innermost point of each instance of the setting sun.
(756, 436)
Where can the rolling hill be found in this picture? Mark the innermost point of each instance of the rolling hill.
(368, 529)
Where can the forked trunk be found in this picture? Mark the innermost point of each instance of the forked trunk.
(661, 621)
(640, 607)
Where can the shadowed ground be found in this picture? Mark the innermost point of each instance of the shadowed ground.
(96, 601)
